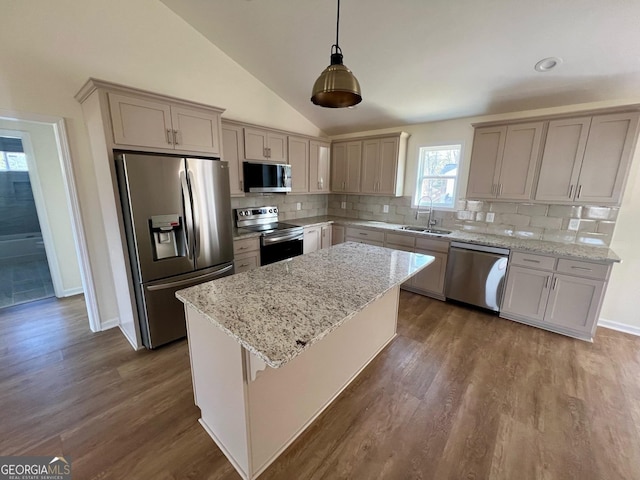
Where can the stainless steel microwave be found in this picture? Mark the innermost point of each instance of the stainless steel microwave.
(266, 177)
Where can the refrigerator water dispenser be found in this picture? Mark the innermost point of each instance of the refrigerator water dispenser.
(165, 242)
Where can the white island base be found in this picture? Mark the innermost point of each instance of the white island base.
(254, 412)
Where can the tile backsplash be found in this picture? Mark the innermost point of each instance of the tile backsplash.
(591, 225)
(310, 205)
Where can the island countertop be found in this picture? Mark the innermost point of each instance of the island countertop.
(279, 310)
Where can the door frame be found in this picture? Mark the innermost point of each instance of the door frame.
(73, 204)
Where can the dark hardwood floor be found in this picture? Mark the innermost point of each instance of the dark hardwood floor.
(458, 394)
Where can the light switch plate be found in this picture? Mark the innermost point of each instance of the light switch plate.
(343, 205)
(385, 209)
(298, 206)
(490, 217)
(574, 224)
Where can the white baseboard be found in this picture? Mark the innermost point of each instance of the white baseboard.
(130, 340)
(111, 323)
(69, 292)
(621, 327)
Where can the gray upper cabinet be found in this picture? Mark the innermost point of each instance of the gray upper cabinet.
(504, 160)
(586, 160)
(345, 167)
(299, 161)
(265, 145)
(139, 121)
(370, 165)
(563, 153)
(233, 154)
(319, 166)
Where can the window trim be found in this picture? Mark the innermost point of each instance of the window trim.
(419, 178)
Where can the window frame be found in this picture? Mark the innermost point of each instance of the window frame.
(420, 167)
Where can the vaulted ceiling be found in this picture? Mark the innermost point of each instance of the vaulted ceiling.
(425, 60)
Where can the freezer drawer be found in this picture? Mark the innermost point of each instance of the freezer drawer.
(476, 277)
(163, 321)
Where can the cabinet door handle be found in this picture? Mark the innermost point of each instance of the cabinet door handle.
(555, 282)
(240, 182)
(500, 190)
(343, 185)
(582, 268)
(579, 191)
(169, 140)
(546, 282)
(175, 137)
(570, 190)
(269, 152)
(365, 234)
(242, 248)
(530, 260)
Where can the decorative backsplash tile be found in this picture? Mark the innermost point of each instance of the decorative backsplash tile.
(591, 225)
(310, 205)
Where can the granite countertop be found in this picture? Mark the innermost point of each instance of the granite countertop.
(279, 310)
(573, 250)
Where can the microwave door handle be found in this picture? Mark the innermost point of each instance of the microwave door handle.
(284, 176)
(188, 212)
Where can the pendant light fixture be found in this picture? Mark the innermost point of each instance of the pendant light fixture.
(336, 87)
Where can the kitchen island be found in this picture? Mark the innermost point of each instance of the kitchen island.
(272, 348)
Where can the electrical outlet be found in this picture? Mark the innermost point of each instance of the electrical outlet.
(343, 205)
(385, 209)
(298, 206)
(490, 217)
(574, 224)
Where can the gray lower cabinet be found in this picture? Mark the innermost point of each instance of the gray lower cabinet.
(363, 235)
(561, 295)
(246, 253)
(430, 280)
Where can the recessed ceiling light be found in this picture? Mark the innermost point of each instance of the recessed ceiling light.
(547, 64)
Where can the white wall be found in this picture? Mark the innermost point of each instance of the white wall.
(621, 303)
(45, 151)
(50, 48)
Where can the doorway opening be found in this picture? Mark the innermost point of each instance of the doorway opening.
(24, 269)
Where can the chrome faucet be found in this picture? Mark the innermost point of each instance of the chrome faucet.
(430, 222)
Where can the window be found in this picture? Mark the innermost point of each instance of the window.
(13, 161)
(437, 178)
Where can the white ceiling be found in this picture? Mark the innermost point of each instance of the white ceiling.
(425, 60)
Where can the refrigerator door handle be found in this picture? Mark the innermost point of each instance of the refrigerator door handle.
(188, 281)
(188, 214)
(196, 219)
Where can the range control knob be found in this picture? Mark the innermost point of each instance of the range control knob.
(275, 210)
(271, 210)
(240, 214)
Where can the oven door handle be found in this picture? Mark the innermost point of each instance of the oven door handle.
(282, 238)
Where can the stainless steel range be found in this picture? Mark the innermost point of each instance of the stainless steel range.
(278, 241)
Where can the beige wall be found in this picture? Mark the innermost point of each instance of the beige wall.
(50, 48)
(621, 300)
(45, 151)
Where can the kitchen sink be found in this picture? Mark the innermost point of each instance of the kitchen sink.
(432, 231)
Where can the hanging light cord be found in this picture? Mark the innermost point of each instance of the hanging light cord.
(337, 46)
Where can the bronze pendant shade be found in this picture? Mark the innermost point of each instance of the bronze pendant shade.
(336, 87)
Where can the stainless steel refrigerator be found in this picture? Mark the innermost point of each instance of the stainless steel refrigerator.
(177, 219)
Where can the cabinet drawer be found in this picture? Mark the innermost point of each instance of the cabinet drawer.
(533, 261)
(247, 261)
(583, 269)
(395, 246)
(432, 244)
(396, 239)
(246, 245)
(365, 241)
(373, 235)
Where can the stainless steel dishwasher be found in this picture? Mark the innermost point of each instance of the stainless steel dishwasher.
(476, 274)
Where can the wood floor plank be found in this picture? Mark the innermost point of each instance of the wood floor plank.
(459, 393)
